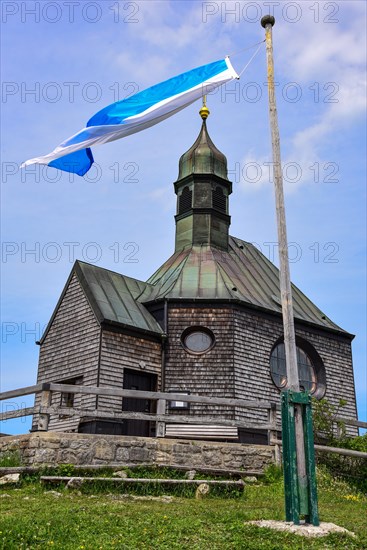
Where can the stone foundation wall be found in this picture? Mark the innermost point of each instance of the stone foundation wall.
(51, 448)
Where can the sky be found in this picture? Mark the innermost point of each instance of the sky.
(62, 61)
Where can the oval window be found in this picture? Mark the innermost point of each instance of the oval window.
(197, 340)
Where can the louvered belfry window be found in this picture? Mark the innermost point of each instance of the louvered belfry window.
(219, 199)
(185, 201)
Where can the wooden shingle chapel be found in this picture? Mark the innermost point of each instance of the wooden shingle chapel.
(207, 322)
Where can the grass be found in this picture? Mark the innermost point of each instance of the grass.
(32, 518)
(10, 459)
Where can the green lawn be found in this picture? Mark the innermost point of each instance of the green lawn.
(32, 519)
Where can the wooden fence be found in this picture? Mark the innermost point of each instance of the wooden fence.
(44, 410)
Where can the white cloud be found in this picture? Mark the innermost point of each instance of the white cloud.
(175, 43)
(311, 49)
(329, 58)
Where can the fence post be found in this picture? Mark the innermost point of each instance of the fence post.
(339, 430)
(161, 426)
(44, 418)
(272, 433)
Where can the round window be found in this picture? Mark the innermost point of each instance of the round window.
(306, 369)
(197, 339)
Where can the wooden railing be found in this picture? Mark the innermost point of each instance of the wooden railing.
(44, 410)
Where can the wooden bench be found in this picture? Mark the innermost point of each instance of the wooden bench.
(131, 480)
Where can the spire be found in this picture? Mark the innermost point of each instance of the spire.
(202, 190)
(203, 157)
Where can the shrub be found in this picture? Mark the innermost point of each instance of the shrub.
(326, 427)
(351, 469)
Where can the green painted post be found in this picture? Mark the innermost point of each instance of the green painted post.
(313, 516)
(299, 500)
(289, 459)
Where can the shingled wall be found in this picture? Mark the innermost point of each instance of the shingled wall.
(76, 346)
(210, 374)
(255, 335)
(120, 351)
(71, 349)
(238, 366)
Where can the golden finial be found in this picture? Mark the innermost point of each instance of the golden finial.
(204, 111)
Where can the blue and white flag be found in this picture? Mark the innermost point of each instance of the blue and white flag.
(136, 113)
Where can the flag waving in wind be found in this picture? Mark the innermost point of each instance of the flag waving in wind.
(136, 113)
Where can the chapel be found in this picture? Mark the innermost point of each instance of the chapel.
(207, 322)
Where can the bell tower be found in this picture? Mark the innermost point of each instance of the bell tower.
(202, 190)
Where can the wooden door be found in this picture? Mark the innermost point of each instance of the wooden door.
(142, 381)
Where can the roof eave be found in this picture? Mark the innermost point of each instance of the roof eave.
(132, 330)
(299, 321)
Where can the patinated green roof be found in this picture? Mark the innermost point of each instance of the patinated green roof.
(243, 274)
(203, 157)
(116, 298)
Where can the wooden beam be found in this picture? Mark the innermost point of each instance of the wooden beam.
(96, 413)
(339, 451)
(326, 449)
(160, 428)
(350, 422)
(116, 392)
(44, 415)
(23, 411)
(20, 392)
(155, 481)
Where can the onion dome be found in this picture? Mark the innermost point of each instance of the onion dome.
(203, 157)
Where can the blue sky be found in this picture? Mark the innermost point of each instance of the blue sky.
(63, 61)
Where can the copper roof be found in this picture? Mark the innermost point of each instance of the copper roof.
(203, 157)
(243, 274)
(115, 298)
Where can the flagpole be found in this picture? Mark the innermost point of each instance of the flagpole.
(268, 22)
